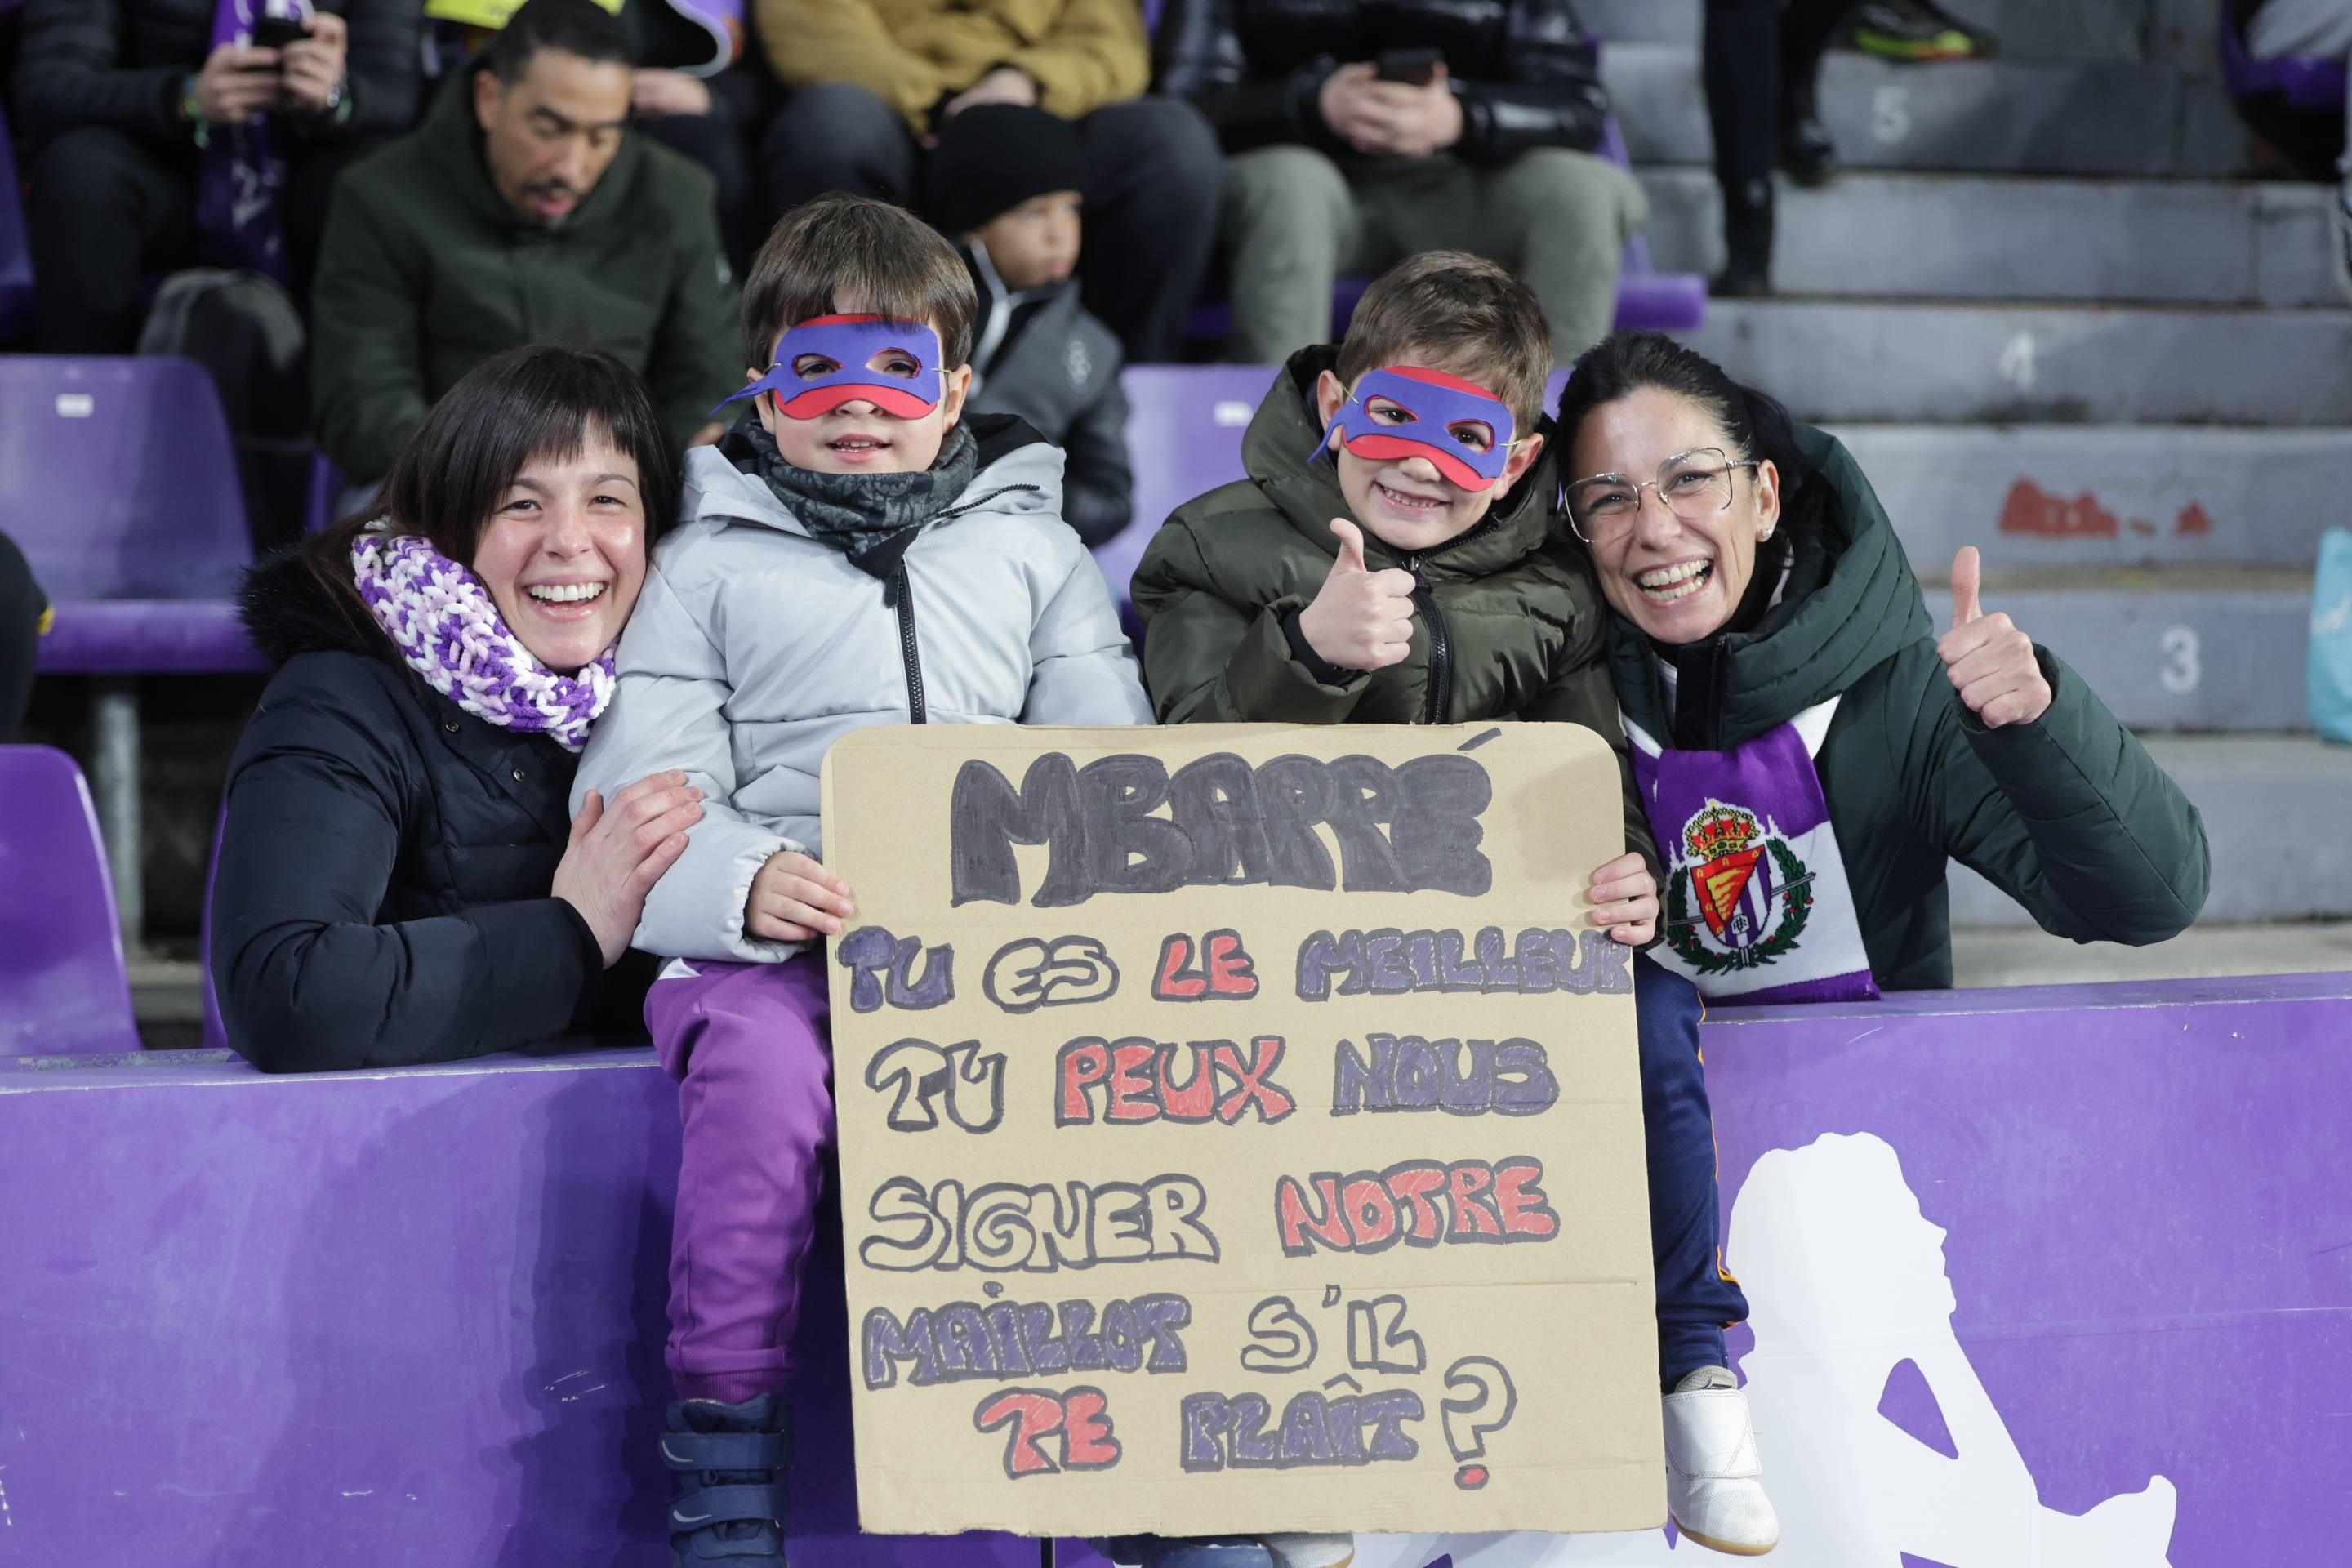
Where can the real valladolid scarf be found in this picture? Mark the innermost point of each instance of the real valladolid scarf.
(441, 619)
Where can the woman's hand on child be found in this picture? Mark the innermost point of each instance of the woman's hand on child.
(794, 898)
(617, 852)
(1625, 899)
(1360, 619)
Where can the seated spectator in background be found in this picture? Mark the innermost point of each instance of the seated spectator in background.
(874, 80)
(399, 878)
(1006, 181)
(2305, 30)
(151, 122)
(24, 617)
(1763, 64)
(1357, 135)
(522, 211)
(695, 92)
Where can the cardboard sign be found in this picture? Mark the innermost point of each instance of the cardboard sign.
(1240, 1129)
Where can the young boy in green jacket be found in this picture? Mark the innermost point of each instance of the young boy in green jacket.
(1385, 563)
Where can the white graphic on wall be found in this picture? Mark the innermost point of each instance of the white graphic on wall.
(1846, 1284)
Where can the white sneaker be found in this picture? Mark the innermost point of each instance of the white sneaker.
(1310, 1551)
(1715, 1482)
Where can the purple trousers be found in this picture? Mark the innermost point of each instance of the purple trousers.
(751, 1047)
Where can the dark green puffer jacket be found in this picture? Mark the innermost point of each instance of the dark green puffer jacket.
(1504, 629)
(2069, 816)
(424, 272)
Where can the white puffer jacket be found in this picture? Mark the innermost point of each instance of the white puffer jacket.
(755, 646)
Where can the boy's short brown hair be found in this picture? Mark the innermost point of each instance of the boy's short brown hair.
(893, 262)
(1458, 313)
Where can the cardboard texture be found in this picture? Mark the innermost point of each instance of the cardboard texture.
(1240, 1129)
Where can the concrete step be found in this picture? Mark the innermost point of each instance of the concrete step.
(1957, 236)
(2269, 802)
(2028, 29)
(2004, 115)
(2108, 496)
(1974, 363)
(2186, 648)
(2031, 956)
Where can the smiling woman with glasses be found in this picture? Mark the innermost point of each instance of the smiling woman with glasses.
(1810, 754)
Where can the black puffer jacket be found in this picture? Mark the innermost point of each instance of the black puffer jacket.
(1525, 71)
(123, 63)
(381, 895)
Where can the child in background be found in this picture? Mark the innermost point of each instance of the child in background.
(1407, 580)
(859, 552)
(1004, 180)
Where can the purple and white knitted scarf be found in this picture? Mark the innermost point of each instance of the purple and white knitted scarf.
(441, 619)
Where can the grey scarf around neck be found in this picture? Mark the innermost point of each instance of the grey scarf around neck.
(870, 518)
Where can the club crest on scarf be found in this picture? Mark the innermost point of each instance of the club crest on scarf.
(828, 361)
(1753, 893)
(1459, 425)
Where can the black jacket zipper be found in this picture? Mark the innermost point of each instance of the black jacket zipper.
(1439, 706)
(902, 595)
(899, 592)
(1441, 652)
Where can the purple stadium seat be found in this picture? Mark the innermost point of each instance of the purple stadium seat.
(15, 256)
(117, 479)
(1184, 425)
(2310, 86)
(62, 985)
(319, 501)
(215, 1032)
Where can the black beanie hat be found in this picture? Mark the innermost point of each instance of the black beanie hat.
(995, 156)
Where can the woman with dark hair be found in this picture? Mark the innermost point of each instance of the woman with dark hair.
(399, 879)
(1810, 755)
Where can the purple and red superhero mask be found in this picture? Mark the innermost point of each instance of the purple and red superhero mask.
(1459, 425)
(851, 346)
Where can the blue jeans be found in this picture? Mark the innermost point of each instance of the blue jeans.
(1697, 1300)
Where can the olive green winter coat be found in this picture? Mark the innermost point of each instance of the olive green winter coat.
(1503, 627)
(2069, 815)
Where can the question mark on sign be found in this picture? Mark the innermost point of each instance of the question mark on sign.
(1479, 1399)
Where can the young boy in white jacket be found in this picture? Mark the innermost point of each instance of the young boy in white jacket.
(859, 552)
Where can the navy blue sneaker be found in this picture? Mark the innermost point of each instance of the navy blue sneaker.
(727, 1465)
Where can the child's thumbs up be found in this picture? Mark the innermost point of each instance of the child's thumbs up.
(1360, 619)
(1351, 547)
(1967, 574)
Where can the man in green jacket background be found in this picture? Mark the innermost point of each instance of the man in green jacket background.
(523, 210)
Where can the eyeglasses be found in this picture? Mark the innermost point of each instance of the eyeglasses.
(1693, 485)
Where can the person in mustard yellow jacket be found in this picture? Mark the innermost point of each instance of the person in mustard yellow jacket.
(871, 80)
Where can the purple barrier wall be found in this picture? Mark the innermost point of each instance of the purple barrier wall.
(374, 1319)
(2053, 1276)
(2058, 1277)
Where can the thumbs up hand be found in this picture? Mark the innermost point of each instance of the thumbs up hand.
(1360, 619)
(1991, 664)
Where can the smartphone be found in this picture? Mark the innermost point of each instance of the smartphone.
(1414, 67)
(276, 32)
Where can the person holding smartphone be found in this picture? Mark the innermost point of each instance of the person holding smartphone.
(122, 100)
(1357, 135)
